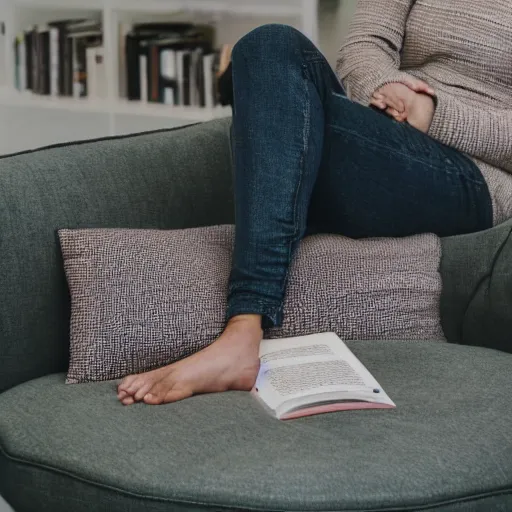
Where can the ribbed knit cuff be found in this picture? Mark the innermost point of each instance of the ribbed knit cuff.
(363, 92)
(445, 123)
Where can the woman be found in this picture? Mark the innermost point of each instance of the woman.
(433, 153)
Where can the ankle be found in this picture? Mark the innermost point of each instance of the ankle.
(250, 323)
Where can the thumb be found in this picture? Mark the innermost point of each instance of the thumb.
(417, 85)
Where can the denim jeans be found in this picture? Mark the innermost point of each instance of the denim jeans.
(308, 160)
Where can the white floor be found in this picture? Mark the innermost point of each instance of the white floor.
(4, 507)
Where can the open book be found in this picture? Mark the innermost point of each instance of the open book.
(314, 374)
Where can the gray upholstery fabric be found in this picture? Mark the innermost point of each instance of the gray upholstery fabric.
(171, 179)
(476, 302)
(446, 446)
(145, 298)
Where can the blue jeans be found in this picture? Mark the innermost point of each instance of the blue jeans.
(309, 160)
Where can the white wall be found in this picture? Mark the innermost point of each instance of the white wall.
(334, 18)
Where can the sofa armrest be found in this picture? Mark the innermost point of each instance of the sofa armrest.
(162, 180)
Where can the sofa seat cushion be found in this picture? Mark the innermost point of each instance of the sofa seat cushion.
(446, 447)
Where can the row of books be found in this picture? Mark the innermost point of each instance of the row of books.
(54, 59)
(168, 63)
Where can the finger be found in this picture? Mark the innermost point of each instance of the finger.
(395, 103)
(398, 116)
(378, 103)
(418, 85)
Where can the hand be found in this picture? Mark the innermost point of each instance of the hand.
(409, 102)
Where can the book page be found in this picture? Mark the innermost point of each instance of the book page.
(297, 378)
(309, 366)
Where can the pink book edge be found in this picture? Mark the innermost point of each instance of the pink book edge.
(324, 409)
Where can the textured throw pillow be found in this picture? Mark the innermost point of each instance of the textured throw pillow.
(144, 298)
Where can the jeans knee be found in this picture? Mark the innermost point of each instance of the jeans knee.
(267, 41)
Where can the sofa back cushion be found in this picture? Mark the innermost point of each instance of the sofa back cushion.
(476, 303)
(164, 180)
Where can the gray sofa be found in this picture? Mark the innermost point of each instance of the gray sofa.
(447, 446)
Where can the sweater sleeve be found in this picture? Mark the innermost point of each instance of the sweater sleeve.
(370, 56)
(482, 132)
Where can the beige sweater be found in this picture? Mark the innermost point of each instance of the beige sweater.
(462, 48)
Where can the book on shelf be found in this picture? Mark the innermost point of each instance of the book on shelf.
(309, 375)
(3, 54)
(168, 63)
(51, 58)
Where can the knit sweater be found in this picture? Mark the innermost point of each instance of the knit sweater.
(463, 49)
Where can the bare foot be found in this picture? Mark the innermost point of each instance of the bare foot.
(230, 363)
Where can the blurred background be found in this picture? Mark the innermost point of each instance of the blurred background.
(81, 69)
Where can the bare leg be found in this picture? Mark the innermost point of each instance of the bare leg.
(230, 363)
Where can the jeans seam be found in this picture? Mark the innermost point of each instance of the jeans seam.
(371, 142)
(305, 138)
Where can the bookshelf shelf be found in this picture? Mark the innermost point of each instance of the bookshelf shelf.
(118, 107)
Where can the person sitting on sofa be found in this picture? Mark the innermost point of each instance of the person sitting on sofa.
(413, 137)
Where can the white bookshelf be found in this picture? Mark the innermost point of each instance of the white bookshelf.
(45, 120)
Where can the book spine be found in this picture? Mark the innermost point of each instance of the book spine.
(91, 72)
(16, 49)
(179, 76)
(54, 61)
(154, 74)
(124, 30)
(22, 62)
(76, 69)
(3, 51)
(44, 62)
(133, 68)
(68, 66)
(35, 61)
(198, 79)
(62, 70)
(186, 79)
(82, 65)
(28, 58)
(79, 68)
(208, 80)
(192, 80)
(101, 73)
(143, 77)
(168, 76)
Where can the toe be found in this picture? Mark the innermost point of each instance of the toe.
(125, 384)
(128, 401)
(142, 391)
(153, 400)
(155, 394)
(144, 380)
